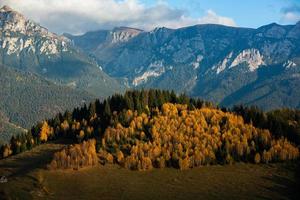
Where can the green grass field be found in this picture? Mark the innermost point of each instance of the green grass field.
(28, 178)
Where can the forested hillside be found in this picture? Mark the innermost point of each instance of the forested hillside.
(8, 129)
(145, 129)
(27, 98)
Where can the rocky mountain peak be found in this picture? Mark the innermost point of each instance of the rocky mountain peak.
(123, 34)
(159, 30)
(6, 8)
(11, 19)
(273, 30)
(19, 34)
(10, 15)
(127, 29)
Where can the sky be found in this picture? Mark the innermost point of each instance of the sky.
(80, 16)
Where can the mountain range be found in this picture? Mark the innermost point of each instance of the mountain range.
(227, 65)
(43, 73)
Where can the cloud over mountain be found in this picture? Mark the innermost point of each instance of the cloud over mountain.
(76, 17)
(291, 14)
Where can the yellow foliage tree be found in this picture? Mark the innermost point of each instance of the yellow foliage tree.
(257, 158)
(45, 132)
(187, 138)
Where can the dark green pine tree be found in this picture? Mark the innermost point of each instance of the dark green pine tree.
(184, 99)
(173, 97)
(29, 139)
(129, 100)
(14, 145)
(92, 109)
(137, 102)
(68, 116)
(23, 140)
(152, 99)
(56, 121)
(106, 114)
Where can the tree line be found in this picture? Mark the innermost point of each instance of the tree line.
(90, 121)
(98, 117)
(281, 122)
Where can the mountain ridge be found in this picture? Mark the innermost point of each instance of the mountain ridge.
(190, 59)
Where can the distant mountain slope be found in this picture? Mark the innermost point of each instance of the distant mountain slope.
(225, 64)
(268, 87)
(7, 129)
(28, 46)
(97, 40)
(27, 98)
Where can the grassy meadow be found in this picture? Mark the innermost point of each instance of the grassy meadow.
(29, 178)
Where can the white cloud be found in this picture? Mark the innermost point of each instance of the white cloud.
(78, 16)
(290, 14)
(213, 18)
(291, 17)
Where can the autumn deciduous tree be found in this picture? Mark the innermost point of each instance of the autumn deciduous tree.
(257, 158)
(182, 138)
(75, 156)
(6, 151)
(45, 132)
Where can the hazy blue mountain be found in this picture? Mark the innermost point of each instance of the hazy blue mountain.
(228, 65)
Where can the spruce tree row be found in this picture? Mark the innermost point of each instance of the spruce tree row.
(281, 123)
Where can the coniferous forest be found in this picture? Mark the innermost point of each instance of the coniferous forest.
(154, 128)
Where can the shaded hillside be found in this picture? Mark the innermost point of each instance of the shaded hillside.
(27, 98)
(7, 129)
(270, 88)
